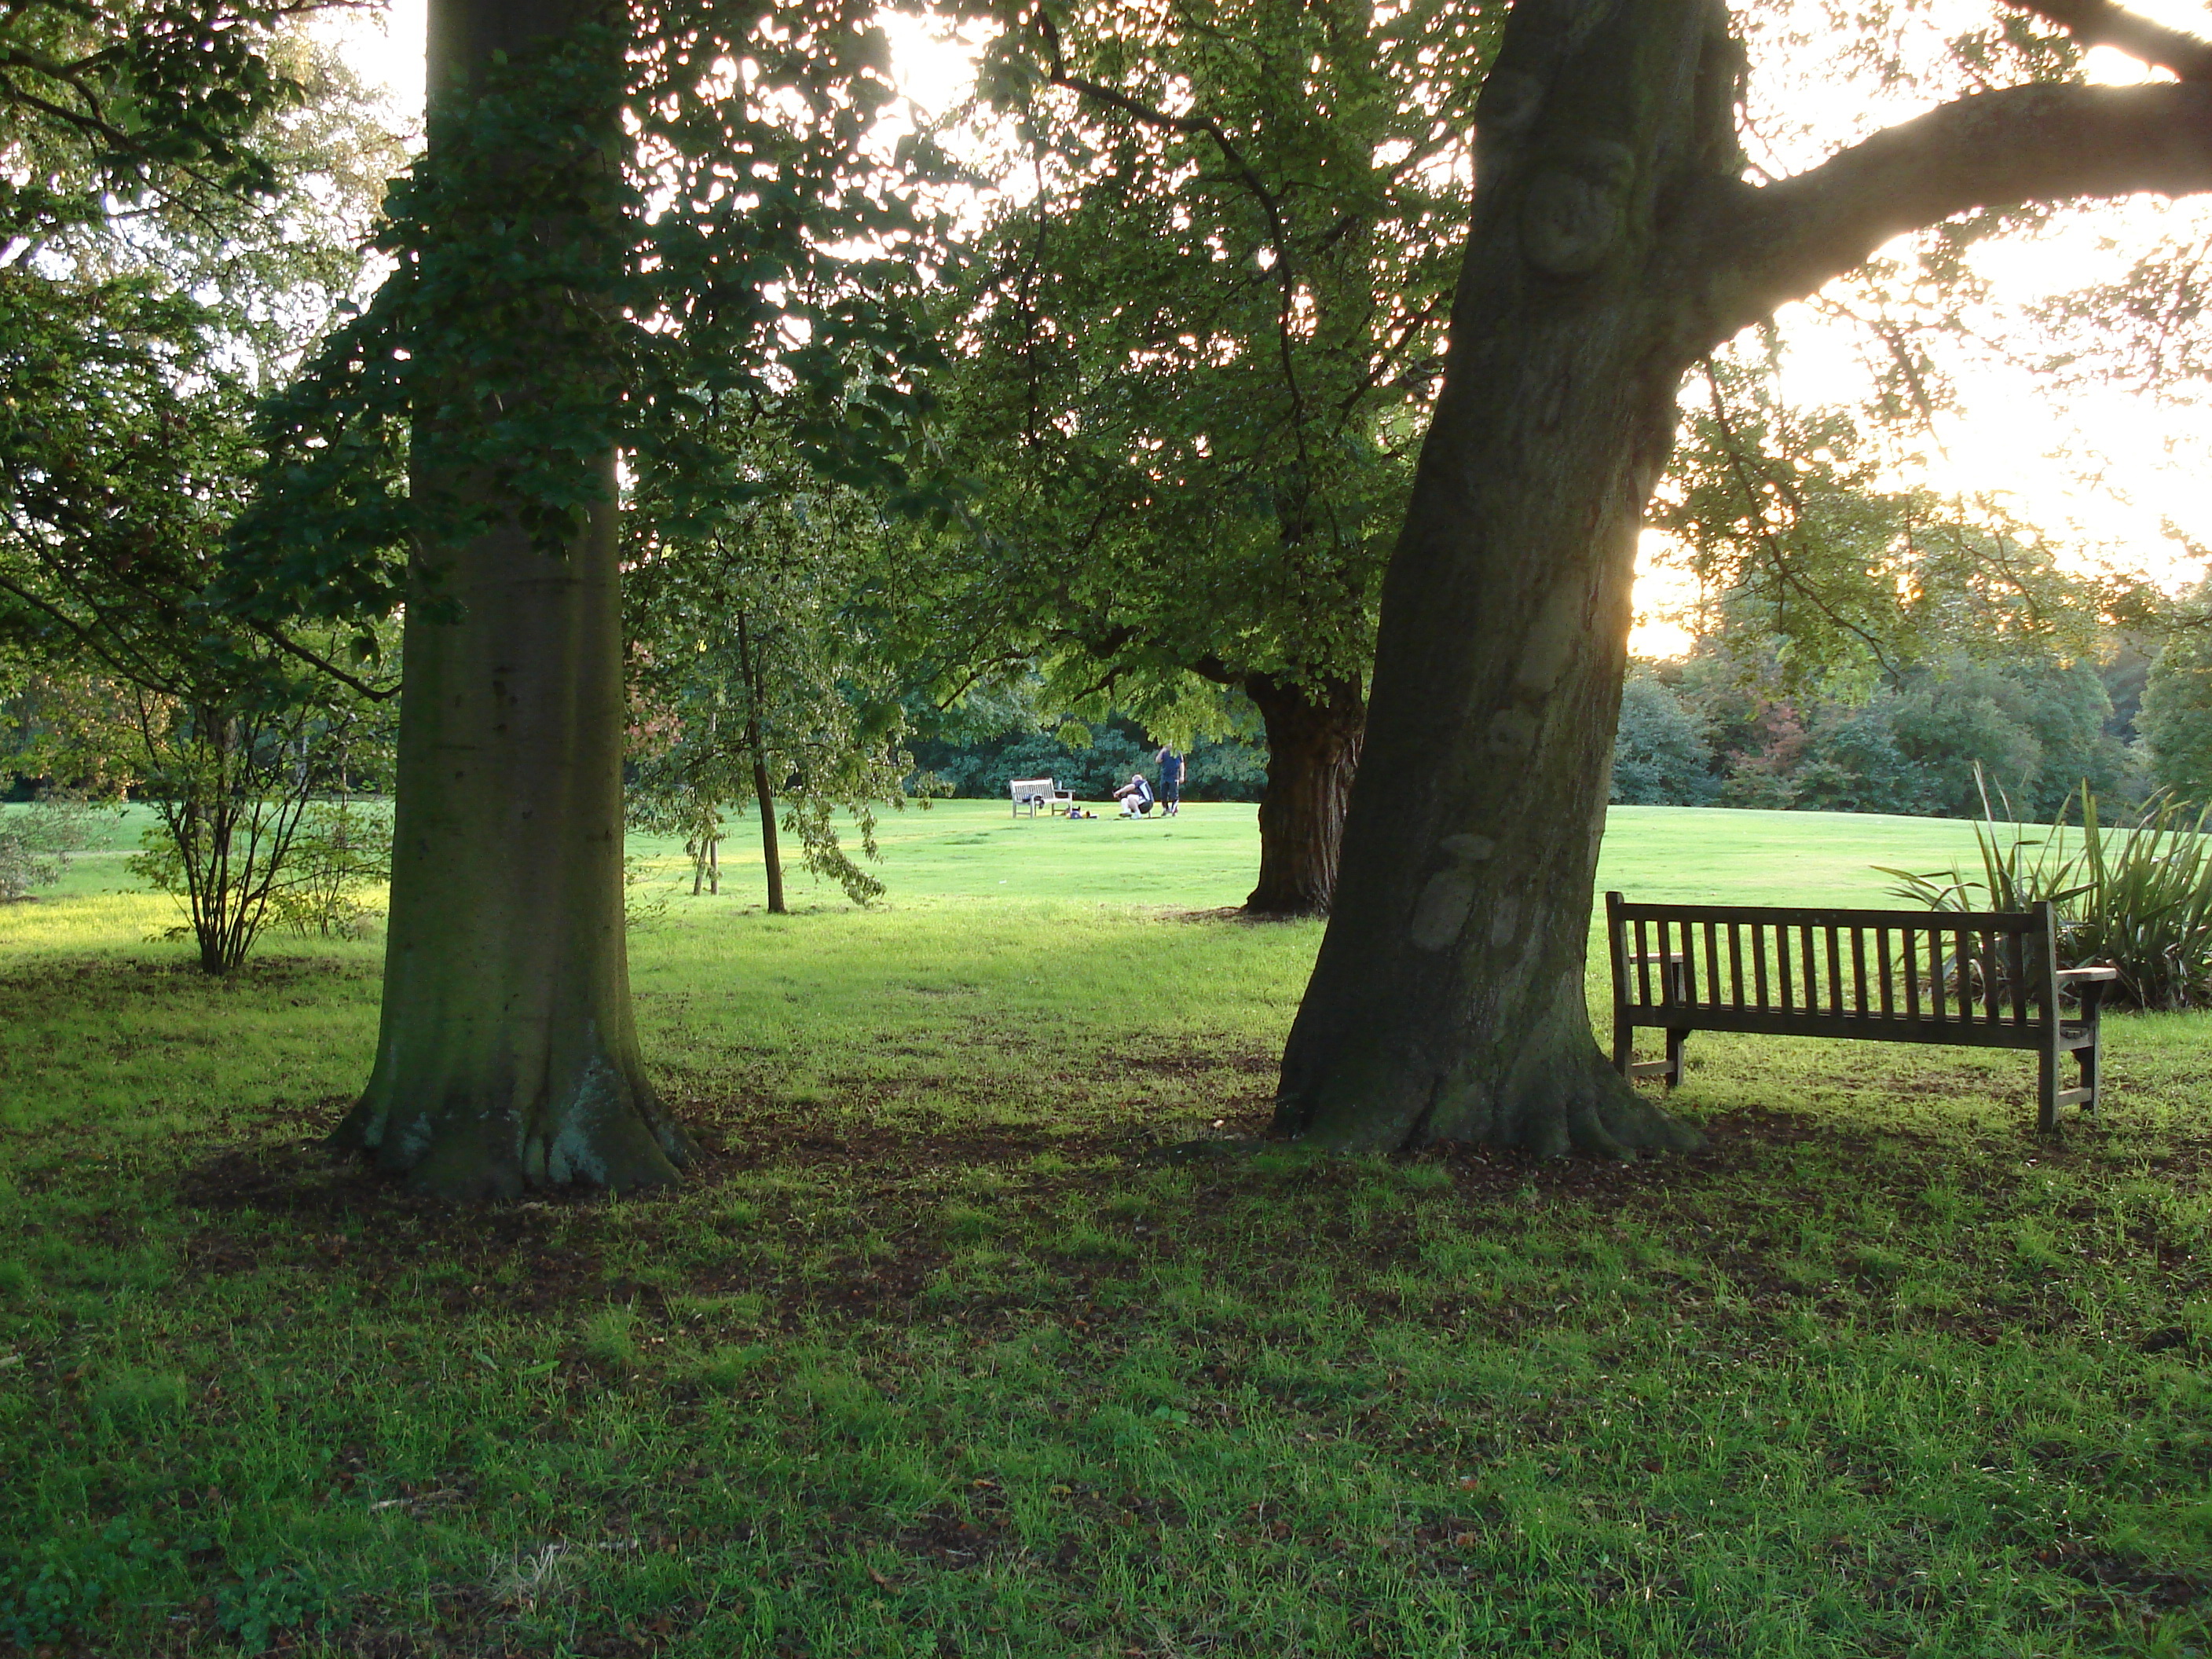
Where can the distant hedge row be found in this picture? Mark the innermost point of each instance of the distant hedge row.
(1214, 770)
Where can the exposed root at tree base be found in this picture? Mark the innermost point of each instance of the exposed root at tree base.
(1553, 1110)
(1610, 1126)
(464, 1156)
(1251, 912)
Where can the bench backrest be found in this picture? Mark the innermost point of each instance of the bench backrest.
(1031, 788)
(1936, 967)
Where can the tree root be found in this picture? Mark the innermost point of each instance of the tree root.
(1577, 1104)
(473, 1146)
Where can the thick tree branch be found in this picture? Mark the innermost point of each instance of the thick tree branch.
(2100, 24)
(1761, 248)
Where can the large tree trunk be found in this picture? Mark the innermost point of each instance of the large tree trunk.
(1313, 750)
(1448, 1000)
(507, 1056)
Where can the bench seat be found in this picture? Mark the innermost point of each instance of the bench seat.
(1972, 979)
(1035, 792)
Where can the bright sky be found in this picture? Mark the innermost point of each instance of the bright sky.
(2099, 470)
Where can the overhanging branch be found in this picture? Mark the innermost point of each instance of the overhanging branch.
(1760, 248)
(291, 647)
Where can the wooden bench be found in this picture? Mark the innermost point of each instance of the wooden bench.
(1983, 980)
(1034, 792)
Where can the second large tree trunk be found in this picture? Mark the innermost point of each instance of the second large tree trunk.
(506, 1057)
(1313, 751)
(1448, 998)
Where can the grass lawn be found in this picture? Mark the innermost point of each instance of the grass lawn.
(967, 1339)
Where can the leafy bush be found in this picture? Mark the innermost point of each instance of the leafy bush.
(35, 843)
(2152, 912)
(2137, 895)
(1660, 753)
(241, 839)
(339, 850)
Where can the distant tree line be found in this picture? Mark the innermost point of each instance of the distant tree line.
(1700, 733)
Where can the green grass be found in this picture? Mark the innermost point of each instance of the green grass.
(971, 1338)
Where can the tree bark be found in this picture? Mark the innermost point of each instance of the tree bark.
(508, 1057)
(769, 855)
(764, 796)
(1313, 751)
(1447, 1002)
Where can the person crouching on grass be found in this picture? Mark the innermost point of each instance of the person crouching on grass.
(1136, 796)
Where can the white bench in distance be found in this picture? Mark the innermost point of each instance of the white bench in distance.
(1034, 792)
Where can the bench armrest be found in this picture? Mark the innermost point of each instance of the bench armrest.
(2078, 976)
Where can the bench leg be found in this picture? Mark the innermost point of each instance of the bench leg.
(1623, 1047)
(1675, 1039)
(2091, 1058)
(2046, 1089)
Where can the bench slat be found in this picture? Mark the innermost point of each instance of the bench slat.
(1775, 1022)
(1987, 980)
(2000, 921)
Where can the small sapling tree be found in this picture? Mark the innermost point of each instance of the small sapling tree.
(761, 661)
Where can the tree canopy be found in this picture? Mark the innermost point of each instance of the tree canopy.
(1195, 351)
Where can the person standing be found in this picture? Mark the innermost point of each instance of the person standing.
(1170, 781)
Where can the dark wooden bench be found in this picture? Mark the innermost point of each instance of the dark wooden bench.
(1983, 980)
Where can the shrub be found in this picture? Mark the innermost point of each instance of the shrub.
(2137, 895)
(229, 794)
(1661, 755)
(2151, 917)
(35, 843)
(339, 850)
